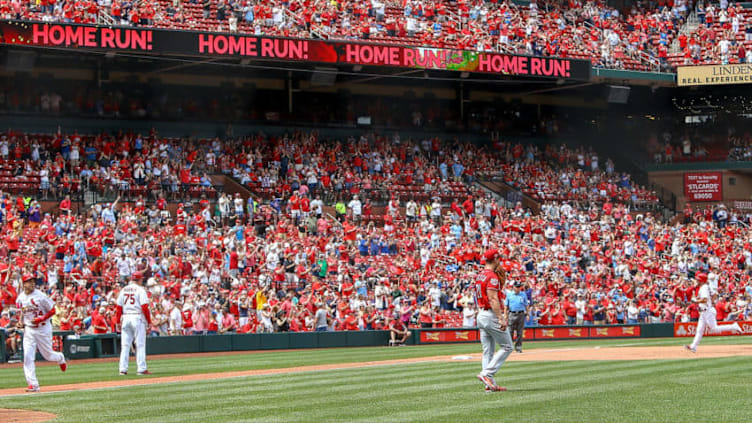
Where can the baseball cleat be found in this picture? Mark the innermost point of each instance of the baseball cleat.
(496, 389)
(737, 328)
(689, 348)
(145, 372)
(32, 389)
(63, 367)
(486, 381)
(123, 373)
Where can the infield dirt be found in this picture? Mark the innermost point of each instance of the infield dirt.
(24, 416)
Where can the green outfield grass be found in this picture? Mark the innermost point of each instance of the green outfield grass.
(662, 390)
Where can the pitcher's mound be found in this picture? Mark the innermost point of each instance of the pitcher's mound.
(24, 416)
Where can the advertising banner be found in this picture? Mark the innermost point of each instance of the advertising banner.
(561, 333)
(689, 329)
(742, 204)
(469, 335)
(703, 186)
(540, 333)
(615, 332)
(714, 75)
(175, 42)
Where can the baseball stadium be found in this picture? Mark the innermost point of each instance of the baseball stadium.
(375, 210)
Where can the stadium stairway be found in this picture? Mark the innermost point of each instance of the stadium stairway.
(232, 186)
(509, 193)
(687, 29)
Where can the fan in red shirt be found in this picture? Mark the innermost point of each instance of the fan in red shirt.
(98, 322)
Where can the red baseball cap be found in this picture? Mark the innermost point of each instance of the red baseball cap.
(491, 254)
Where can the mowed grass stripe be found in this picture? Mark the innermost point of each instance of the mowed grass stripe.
(667, 395)
(51, 375)
(387, 400)
(333, 378)
(398, 386)
(567, 391)
(103, 371)
(438, 392)
(343, 380)
(428, 389)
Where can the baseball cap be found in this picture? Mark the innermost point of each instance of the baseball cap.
(491, 254)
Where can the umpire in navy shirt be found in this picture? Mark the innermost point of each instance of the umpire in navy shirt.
(517, 306)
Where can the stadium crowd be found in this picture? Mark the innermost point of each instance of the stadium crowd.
(637, 37)
(723, 35)
(717, 140)
(289, 262)
(57, 165)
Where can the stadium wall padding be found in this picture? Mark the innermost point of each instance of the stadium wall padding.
(658, 330)
(550, 333)
(2, 346)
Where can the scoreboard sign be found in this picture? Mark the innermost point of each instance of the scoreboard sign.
(703, 186)
(714, 75)
(176, 42)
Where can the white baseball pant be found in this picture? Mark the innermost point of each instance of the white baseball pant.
(490, 335)
(708, 319)
(38, 339)
(134, 327)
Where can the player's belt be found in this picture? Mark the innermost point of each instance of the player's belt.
(517, 312)
(37, 326)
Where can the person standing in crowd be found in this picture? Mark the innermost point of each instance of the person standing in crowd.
(176, 318)
(492, 321)
(517, 305)
(320, 319)
(36, 311)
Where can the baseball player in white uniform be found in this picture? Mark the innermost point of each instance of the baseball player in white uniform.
(133, 307)
(36, 309)
(704, 299)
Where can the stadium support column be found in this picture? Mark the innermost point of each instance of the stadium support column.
(461, 98)
(289, 92)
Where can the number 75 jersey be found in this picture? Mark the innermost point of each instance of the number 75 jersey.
(131, 298)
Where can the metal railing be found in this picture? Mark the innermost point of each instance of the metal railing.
(104, 18)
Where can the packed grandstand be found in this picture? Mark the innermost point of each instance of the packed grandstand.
(255, 232)
(645, 36)
(394, 231)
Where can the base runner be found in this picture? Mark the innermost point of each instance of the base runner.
(133, 307)
(36, 310)
(708, 317)
(492, 322)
